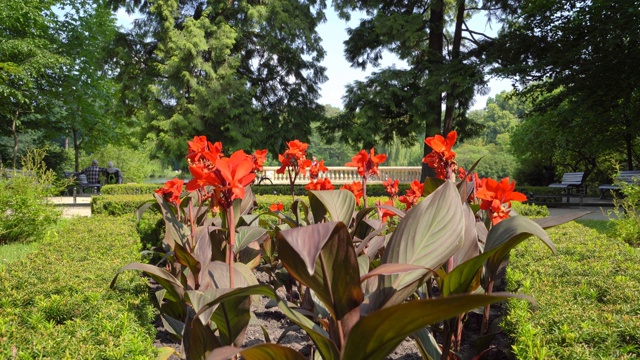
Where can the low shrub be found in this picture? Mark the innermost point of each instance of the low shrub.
(625, 217)
(117, 205)
(372, 189)
(129, 189)
(25, 211)
(587, 297)
(530, 210)
(56, 303)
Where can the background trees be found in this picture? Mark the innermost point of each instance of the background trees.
(577, 61)
(242, 72)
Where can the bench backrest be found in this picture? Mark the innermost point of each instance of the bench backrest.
(629, 176)
(573, 178)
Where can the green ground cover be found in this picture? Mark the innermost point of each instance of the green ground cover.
(56, 302)
(588, 296)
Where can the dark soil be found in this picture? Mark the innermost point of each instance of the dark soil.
(496, 346)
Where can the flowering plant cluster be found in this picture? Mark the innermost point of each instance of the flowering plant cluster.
(357, 271)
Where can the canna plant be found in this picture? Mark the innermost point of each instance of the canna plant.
(294, 162)
(367, 166)
(209, 249)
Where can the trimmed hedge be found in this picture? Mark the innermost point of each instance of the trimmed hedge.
(129, 189)
(117, 205)
(56, 302)
(588, 296)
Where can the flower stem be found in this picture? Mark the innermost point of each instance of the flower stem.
(231, 224)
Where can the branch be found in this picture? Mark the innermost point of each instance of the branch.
(482, 9)
(473, 41)
(471, 32)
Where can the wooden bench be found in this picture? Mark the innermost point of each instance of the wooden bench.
(571, 181)
(628, 176)
(81, 182)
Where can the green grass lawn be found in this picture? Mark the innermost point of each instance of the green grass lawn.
(588, 296)
(16, 251)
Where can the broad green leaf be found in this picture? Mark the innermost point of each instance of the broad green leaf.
(257, 352)
(200, 299)
(146, 206)
(431, 185)
(470, 246)
(363, 264)
(507, 234)
(430, 233)
(203, 251)
(246, 235)
(322, 257)
(390, 269)
(175, 291)
(461, 278)
(340, 204)
(375, 336)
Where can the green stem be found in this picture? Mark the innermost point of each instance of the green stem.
(231, 223)
(487, 309)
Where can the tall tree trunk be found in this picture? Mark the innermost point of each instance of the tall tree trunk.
(76, 149)
(14, 130)
(455, 58)
(433, 118)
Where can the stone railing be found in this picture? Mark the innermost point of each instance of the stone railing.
(346, 175)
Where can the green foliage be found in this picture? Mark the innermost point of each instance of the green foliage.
(626, 215)
(496, 162)
(55, 304)
(25, 211)
(118, 205)
(135, 164)
(587, 301)
(530, 210)
(129, 189)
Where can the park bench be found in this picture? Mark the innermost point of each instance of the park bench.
(628, 176)
(572, 181)
(81, 182)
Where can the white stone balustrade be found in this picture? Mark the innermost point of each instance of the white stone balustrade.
(345, 175)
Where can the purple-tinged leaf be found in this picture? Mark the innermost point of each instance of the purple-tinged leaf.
(375, 336)
(175, 231)
(246, 235)
(430, 185)
(552, 221)
(470, 246)
(232, 318)
(390, 269)
(175, 291)
(322, 257)
(430, 233)
(184, 257)
(199, 339)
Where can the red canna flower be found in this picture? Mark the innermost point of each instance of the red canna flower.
(294, 158)
(324, 184)
(314, 169)
(172, 190)
(259, 158)
(367, 164)
(442, 157)
(276, 207)
(413, 195)
(200, 147)
(392, 187)
(356, 190)
(385, 214)
(497, 196)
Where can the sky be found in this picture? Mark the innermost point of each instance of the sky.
(339, 71)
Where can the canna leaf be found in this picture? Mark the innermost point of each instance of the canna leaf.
(322, 257)
(552, 221)
(256, 352)
(507, 234)
(175, 291)
(246, 235)
(340, 204)
(375, 336)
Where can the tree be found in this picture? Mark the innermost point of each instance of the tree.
(443, 70)
(242, 72)
(27, 58)
(500, 116)
(85, 89)
(577, 59)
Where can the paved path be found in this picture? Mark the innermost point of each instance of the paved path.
(82, 206)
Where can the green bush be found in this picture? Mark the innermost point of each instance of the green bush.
(25, 211)
(587, 297)
(118, 205)
(530, 210)
(56, 302)
(625, 216)
(130, 189)
(372, 189)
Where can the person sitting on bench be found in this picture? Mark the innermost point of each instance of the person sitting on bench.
(114, 175)
(93, 172)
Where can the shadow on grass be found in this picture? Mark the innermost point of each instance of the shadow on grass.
(601, 226)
